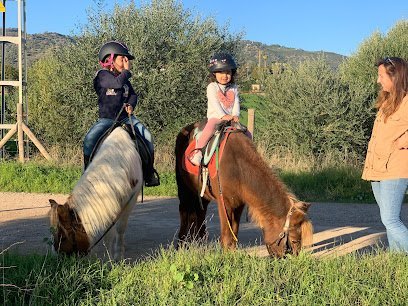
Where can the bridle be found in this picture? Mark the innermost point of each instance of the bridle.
(72, 232)
(283, 236)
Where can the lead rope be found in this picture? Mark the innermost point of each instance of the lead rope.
(221, 195)
(113, 223)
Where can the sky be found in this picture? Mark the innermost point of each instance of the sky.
(338, 26)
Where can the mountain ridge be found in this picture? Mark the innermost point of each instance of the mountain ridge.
(250, 53)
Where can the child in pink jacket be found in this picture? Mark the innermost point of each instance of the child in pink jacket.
(223, 101)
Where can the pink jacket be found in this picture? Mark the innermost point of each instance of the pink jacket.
(387, 153)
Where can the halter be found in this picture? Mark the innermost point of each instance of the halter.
(284, 234)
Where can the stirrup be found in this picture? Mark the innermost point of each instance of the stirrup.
(154, 179)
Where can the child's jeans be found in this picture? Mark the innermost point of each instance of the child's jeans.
(103, 124)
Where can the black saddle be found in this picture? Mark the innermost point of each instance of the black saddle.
(140, 143)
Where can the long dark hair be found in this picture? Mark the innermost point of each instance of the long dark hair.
(397, 69)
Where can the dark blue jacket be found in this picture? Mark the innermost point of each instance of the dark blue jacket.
(114, 90)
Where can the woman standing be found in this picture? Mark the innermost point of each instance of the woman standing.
(386, 164)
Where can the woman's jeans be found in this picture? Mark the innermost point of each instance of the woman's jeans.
(103, 124)
(389, 195)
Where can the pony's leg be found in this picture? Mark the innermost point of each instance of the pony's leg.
(230, 225)
(108, 242)
(200, 230)
(192, 218)
(119, 229)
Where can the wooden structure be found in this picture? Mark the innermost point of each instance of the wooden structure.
(20, 127)
(251, 121)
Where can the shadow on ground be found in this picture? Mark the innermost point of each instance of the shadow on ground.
(339, 229)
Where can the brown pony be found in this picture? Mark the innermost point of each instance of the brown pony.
(244, 179)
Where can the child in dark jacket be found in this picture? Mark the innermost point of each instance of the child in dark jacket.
(115, 92)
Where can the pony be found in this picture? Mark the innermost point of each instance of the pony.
(243, 179)
(101, 201)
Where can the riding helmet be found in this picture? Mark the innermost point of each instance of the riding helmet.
(114, 48)
(222, 62)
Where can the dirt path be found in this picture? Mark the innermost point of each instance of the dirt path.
(339, 228)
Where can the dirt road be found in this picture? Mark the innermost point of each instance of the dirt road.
(339, 228)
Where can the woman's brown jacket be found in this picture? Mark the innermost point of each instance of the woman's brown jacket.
(387, 153)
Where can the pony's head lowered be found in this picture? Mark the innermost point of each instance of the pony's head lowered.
(296, 233)
(69, 236)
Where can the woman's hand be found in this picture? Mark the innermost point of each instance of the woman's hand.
(235, 118)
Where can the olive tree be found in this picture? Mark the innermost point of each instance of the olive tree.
(314, 110)
(171, 46)
(309, 111)
(359, 71)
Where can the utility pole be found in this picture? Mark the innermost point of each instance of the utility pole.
(259, 58)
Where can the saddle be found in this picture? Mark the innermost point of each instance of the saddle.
(141, 146)
(213, 151)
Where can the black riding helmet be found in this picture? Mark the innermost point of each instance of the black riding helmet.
(114, 48)
(222, 62)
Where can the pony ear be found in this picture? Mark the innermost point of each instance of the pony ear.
(52, 202)
(305, 206)
(63, 213)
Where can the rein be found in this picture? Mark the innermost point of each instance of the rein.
(220, 189)
(222, 199)
(112, 224)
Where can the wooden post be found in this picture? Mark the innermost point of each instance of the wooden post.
(37, 143)
(20, 127)
(20, 135)
(13, 129)
(251, 121)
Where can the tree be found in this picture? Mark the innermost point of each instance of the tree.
(309, 111)
(315, 110)
(171, 49)
(359, 71)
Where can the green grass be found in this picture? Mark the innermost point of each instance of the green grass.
(258, 103)
(206, 276)
(331, 184)
(37, 177)
(340, 184)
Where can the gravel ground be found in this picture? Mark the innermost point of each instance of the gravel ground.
(339, 228)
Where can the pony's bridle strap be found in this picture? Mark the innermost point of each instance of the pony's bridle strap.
(284, 234)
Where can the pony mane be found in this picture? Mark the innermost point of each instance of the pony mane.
(110, 181)
(272, 195)
(274, 198)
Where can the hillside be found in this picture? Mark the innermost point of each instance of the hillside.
(251, 53)
(255, 53)
(36, 46)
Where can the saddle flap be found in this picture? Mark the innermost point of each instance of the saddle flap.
(211, 147)
(212, 163)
